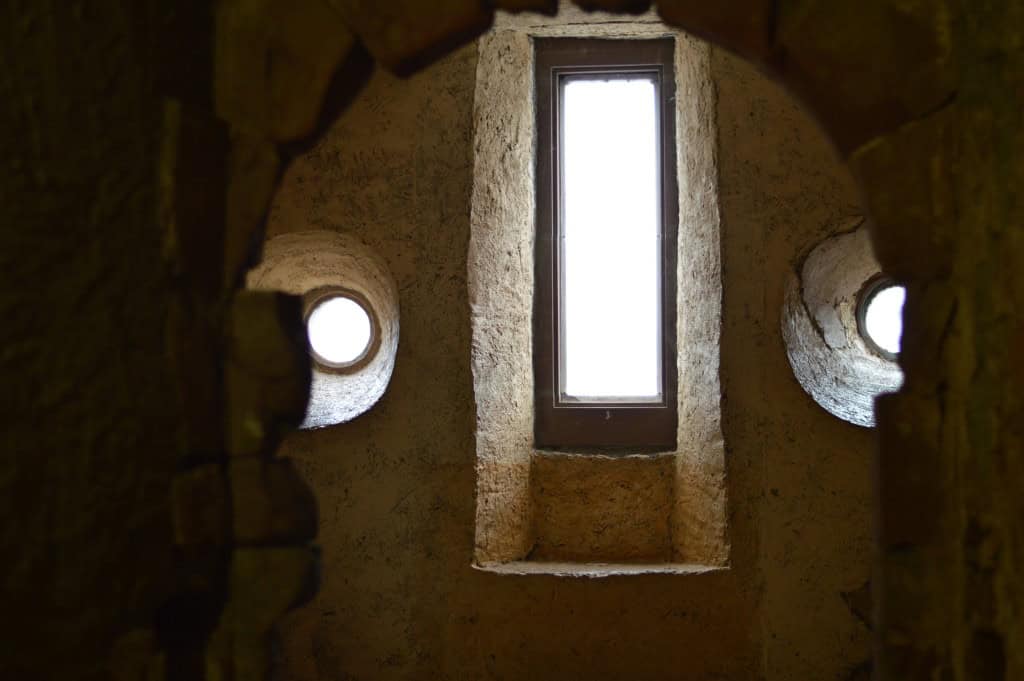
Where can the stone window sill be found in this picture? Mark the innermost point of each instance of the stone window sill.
(596, 570)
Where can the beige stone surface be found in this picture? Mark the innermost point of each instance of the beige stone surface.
(590, 508)
(500, 268)
(700, 514)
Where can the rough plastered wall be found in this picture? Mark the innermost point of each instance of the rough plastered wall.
(399, 597)
(782, 191)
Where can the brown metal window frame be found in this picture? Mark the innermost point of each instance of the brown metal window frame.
(567, 424)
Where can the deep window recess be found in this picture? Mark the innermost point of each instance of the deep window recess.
(607, 212)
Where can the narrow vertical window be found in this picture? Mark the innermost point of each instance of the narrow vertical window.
(604, 309)
(611, 270)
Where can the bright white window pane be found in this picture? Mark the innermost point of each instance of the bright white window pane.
(339, 330)
(883, 319)
(610, 240)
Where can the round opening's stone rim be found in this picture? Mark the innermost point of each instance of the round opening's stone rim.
(830, 355)
(343, 332)
(880, 316)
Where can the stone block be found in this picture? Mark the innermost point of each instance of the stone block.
(405, 35)
(194, 357)
(549, 7)
(617, 6)
(935, 315)
(136, 656)
(268, 370)
(254, 171)
(742, 26)
(264, 585)
(182, 53)
(916, 525)
(915, 616)
(908, 183)
(274, 62)
(866, 67)
(193, 185)
(911, 425)
(602, 509)
(271, 502)
(200, 505)
(986, 658)
(268, 582)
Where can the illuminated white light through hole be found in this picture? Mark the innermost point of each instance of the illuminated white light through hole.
(339, 330)
(610, 240)
(883, 318)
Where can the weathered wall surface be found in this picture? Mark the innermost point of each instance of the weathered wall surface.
(925, 94)
(87, 421)
(783, 190)
(395, 486)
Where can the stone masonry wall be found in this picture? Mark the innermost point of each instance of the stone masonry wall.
(922, 96)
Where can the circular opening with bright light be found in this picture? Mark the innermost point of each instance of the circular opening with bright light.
(341, 329)
(880, 317)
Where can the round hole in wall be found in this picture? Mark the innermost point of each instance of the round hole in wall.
(825, 330)
(880, 316)
(342, 329)
(321, 264)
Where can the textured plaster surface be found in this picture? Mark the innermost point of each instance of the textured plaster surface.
(301, 262)
(782, 191)
(400, 598)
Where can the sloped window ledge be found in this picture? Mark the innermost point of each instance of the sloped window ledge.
(525, 568)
